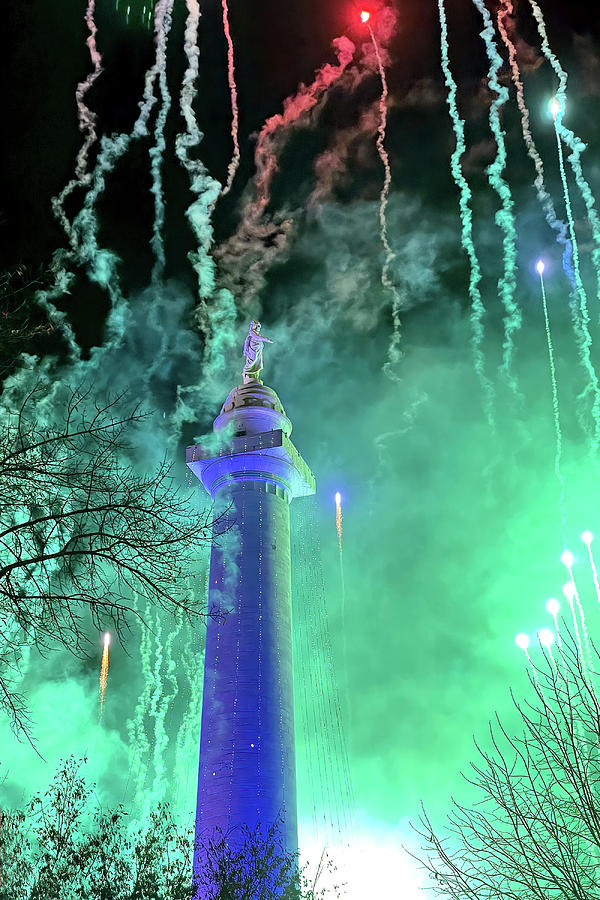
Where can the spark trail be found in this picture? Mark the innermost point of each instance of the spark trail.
(87, 124)
(587, 537)
(555, 408)
(505, 216)
(553, 607)
(575, 144)
(583, 332)
(571, 593)
(394, 353)
(505, 14)
(158, 149)
(523, 643)
(478, 311)
(235, 159)
(104, 671)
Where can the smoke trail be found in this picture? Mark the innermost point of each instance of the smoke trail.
(394, 353)
(205, 188)
(504, 217)
(505, 14)
(235, 159)
(576, 146)
(87, 123)
(247, 254)
(186, 743)
(101, 263)
(139, 744)
(556, 410)
(466, 213)
(157, 151)
(161, 737)
(331, 165)
(583, 332)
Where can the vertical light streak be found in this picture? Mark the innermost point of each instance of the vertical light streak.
(104, 670)
(235, 160)
(478, 310)
(555, 408)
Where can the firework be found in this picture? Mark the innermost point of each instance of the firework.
(104, 669)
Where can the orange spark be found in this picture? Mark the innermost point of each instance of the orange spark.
(104, 669)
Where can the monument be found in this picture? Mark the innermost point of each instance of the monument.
(247, 773)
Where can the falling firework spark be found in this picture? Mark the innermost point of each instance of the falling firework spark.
(587, 537)
(522, 641)
(553, 607)
(571, 593)
(104, 670)
(386, 280)
(235, 160)
(556, 409)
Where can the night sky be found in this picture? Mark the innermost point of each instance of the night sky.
(452, 536)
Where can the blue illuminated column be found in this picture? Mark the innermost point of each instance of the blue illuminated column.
(252, 471)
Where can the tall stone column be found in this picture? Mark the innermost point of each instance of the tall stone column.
(247, 772)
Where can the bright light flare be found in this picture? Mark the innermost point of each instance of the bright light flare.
(567, 559)
(555, 107)
(107, 639)
(569, 590)
(522, 641)
(365, 15)
(553, 606)
(540, 267)
(587, 537)
(546, 637)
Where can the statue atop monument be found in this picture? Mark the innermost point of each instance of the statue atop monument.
(253, 351)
